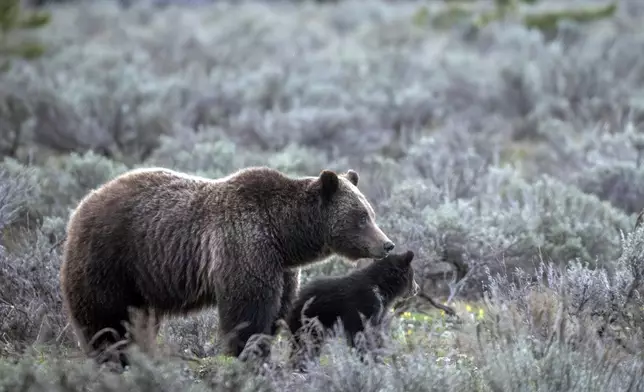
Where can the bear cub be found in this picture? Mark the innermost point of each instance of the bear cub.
(365, 294)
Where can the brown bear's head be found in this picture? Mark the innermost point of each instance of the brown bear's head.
(349, 219)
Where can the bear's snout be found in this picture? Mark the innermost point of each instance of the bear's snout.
(382, 250)
(389, 246)
(380, 245)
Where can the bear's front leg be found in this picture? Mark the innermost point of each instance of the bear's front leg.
(248, 309)
(289, 291)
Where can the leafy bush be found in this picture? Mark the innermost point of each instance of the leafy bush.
(607, 165)
(12, 190)
(509, 223)
(30, 302)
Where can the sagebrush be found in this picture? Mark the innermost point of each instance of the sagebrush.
(516, 152)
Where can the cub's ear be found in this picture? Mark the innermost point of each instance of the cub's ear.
(408, 257)
(330, 183)
(352, 176)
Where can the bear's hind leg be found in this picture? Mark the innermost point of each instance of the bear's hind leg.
(244, 313)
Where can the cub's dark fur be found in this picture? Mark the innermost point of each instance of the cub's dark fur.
(369, 292)
(167, 243)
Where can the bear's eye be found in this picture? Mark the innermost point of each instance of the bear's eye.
(364, 219)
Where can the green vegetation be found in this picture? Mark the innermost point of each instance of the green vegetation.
(14, 20)
(468, 13)
(548, 21)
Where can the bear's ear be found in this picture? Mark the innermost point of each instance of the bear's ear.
(330, 183)
(352, 176)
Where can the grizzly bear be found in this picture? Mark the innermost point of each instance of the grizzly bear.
(167, 243)
(362, 295)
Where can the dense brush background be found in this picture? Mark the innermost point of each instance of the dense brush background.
(517, 149)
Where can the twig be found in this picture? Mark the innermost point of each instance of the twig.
(447, 309)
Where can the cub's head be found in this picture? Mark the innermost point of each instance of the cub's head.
(398, 274)
(348, 218)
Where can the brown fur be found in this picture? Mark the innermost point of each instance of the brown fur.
(158, 240)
